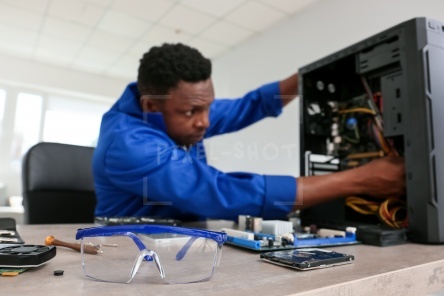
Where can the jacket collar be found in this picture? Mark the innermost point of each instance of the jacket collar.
(129, 103)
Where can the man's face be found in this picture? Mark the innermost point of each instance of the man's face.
(185, 111)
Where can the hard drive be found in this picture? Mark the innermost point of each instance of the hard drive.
(306, 259)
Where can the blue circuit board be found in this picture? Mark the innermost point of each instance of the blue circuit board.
(267, 242)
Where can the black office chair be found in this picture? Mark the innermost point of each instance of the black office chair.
(58, 184)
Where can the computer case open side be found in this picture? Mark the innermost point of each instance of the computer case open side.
(402, 71)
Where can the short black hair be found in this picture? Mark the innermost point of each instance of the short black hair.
(162, 67)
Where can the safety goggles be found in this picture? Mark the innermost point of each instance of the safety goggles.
(181, 255)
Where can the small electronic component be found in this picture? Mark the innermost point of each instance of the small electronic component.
(238, 233)
(276, 227)
(322, 232)
(250, 223)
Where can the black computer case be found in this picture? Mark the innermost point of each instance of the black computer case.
(402, 69)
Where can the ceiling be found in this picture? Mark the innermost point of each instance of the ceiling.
(108, 37)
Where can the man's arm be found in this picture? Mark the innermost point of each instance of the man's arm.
(227, 115)
(289, 88)
(232, 115)
(384, 177)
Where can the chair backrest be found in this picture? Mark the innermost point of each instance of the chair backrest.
(58, 184)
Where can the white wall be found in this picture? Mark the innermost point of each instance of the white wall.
(319, 30)
(47, 77)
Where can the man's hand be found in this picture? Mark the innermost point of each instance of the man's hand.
(289, 88)
(384, 177)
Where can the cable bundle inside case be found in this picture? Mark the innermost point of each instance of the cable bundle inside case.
(392, 211)
(362, 117)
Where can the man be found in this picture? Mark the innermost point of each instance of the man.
(150, 160)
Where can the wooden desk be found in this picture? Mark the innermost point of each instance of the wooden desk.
(408, 269)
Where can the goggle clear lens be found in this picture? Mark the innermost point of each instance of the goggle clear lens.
(180, 258)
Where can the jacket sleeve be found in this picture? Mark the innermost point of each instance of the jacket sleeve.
(228, 115)
(155, 169)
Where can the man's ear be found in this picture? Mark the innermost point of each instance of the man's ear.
(148, 104)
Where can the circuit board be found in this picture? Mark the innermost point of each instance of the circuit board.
(265, 242)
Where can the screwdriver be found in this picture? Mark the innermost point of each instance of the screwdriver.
(51, 241)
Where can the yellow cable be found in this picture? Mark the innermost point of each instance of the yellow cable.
(362, 206)
(355, 110)
(381, 209)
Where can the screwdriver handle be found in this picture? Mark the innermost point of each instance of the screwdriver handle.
(51, 241)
